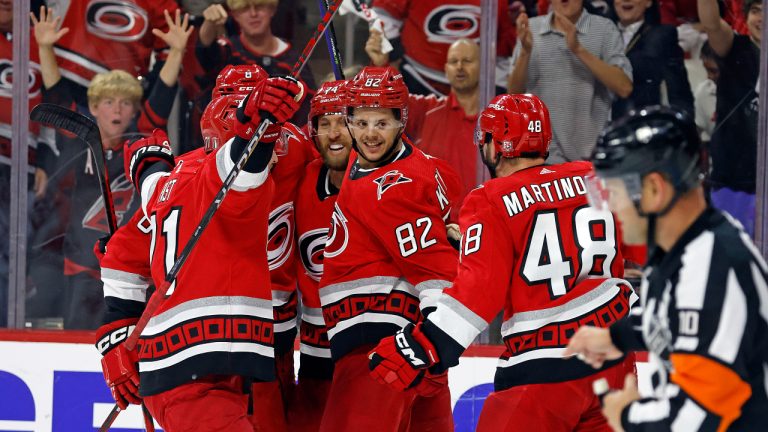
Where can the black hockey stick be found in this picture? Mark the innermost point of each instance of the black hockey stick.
(86, 129)
(330, 40)
(157, 298)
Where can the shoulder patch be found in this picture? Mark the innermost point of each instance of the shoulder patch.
(389, 179)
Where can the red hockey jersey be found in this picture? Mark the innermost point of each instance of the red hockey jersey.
(35, 83)
(109, 34)
(217, 317)
(281, 249)
(533, 246)
(315, 202)
(387, 257)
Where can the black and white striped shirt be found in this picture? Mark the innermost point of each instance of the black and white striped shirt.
(704, 320)
(579, 105)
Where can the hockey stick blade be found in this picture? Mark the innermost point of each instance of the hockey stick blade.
(86, 129)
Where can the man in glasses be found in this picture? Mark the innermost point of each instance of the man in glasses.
(532, 246)
(386, 258)
(704, 303)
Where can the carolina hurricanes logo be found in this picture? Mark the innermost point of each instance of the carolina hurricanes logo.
(338, 237)
(447, 23)
(289, 135)
(6, 79)
(391, 178)
(122, 197)
(116, 20)
(311, 247)
(279, 244)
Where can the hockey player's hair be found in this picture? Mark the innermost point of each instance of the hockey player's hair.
(240, 4)
(114, 83)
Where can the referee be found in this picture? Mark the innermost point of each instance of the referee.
(704, 299)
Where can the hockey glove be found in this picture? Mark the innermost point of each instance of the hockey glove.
(100, 247)
(118, 364)
(275, 98)
(144, 152)
(400, 361)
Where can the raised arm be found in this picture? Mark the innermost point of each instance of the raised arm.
(516, 82)
(176, 38)
(47, 34)
(720, 34)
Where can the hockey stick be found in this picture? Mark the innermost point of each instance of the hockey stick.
(330, 40)
(86, 129)
(157, 297)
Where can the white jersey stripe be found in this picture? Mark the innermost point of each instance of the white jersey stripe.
(689, 418)
(696, 262)
(206, 348)
(368, 317)
(733, 320)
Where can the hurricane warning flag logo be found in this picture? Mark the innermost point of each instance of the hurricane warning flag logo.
(391, 178)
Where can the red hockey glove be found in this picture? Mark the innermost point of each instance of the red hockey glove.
(275, 98)
(144, 152)
(100, 247)
(118, 364)
(400, 360)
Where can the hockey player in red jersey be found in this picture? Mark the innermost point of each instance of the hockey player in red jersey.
(533, 246)
(214, 330)
(386, 259)
(315, 201)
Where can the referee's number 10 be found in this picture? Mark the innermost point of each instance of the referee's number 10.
(534, 126)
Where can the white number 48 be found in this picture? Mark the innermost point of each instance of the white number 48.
(534, 126)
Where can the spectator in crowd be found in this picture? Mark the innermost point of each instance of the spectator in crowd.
(422, 31)
(655, 56)
(733, 147)
(444, 126)
(40, 155)
(705, 96)
(683, 12)
(574, 61)
(108, 35)
(114, 100)
(255, 44)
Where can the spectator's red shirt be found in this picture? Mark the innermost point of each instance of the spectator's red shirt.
(440, 128)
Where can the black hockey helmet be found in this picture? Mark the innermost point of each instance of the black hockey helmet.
(652, 139)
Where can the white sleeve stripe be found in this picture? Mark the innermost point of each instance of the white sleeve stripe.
(733, 319)
(689, 418)
(245, 180)
(646, 412)
(696, 265)
(148, 188)
(457, 321)
(125, 291)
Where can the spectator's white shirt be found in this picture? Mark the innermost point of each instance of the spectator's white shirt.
(629, 31)
(705, 100)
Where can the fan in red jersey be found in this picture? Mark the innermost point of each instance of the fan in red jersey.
(386, 259)
(224, 312)
(533, 247)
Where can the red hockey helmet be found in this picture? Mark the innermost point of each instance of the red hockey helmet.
(518, 125)
(239, 79)
(330, 99)
(217, 121)
(379, 87)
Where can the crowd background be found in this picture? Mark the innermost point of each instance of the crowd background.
(589, 60)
